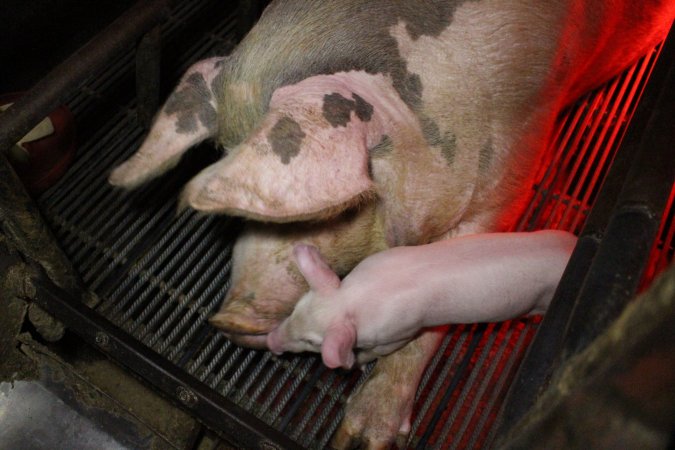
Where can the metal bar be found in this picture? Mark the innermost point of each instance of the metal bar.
(49, 92)
(478, 332)
(616, 272)
(623, 116)
(300, 376)
(576, 158)
(310, 412)
(215, 359)
(548, 181)
(478, 368)
(508, 330)
(304, 393)
(148, 56)
(507, 373)
(462, 333)
(248, 11)
(280, 382)
(542, 356)
(215, 411)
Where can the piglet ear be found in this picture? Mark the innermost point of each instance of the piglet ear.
(187, 118)
(336, 349)
(315, 269)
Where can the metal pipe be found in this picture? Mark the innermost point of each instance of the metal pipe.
(247, 15)
(48, 93)
(148, 55)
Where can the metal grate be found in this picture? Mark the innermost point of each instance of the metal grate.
(664, 247)
(159, 276)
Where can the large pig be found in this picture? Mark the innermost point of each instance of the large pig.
(389, 297)
(428, 114)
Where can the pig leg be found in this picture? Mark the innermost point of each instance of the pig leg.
(188, 117)
(379, 411)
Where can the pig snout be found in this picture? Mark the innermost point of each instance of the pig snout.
(244, 325)
(244, 320)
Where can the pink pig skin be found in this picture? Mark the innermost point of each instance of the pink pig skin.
(385, 301)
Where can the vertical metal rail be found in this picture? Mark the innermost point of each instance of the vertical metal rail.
(147, 75)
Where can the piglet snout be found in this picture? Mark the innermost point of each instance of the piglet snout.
(274, 341)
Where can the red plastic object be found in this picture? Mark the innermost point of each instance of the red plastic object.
(48, 157)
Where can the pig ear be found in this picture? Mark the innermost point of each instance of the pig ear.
(336, 349)
(286, 172)
(315, 269)
(188, 117)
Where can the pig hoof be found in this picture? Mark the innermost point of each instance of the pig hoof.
(375, 418)
(119, 176)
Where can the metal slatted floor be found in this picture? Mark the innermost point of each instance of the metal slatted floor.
(159, 276)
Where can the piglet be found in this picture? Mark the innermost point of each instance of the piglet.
(390, 296)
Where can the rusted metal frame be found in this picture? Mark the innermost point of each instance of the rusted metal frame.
(613, 248)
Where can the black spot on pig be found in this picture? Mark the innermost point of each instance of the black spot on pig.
(382, 148)
(409, 88)
(298, 39)
(337, 109)
(447, 142)
(191, 104)
(417, 26)
(448, 145)
(486, 155)
(363, 109)
(285, 138)
(430, 130)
